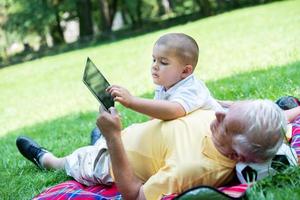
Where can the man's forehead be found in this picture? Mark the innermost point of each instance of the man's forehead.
(235, 119)
(238, 107)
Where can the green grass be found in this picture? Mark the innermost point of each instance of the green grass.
(284, 185)
(248, 53)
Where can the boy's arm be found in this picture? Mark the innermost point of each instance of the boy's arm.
(160, 109)
(225, 104)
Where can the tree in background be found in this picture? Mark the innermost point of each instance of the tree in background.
(164, 7)
(136, 12)
(108, 10)
(34, 17)
(44, 17)
(3, 34)
(205, 7)
(56, 30)
(84, 11)
(23, 19)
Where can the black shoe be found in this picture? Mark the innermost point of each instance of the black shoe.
(30, 150)
(95, 135)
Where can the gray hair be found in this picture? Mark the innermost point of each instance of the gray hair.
(263, 133)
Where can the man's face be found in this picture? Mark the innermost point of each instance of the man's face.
(224, 128)
(166, 68)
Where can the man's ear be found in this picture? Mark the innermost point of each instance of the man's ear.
(236, 157)
(240, 158)
(187, 70)
(220, 116)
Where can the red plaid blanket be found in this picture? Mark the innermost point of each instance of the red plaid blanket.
(76, 191)
(295, 140)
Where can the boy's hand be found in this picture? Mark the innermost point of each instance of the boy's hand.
(121, 95)
(109, 123)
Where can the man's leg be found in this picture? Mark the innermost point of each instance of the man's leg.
(88, 165)
(38, 155)
(50, 161)
(292, 114)
(95, 135)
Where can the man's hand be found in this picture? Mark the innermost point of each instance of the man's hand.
(121, 95)
(128, 184)
(109, 123)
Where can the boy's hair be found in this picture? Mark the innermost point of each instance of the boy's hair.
(185, 47)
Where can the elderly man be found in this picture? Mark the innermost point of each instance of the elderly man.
(154, 158)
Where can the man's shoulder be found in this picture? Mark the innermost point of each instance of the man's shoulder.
(201, 115)
(197, 118)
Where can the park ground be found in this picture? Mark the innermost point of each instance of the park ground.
(244, 54)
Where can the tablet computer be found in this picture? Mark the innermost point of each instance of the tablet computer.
(97, 84)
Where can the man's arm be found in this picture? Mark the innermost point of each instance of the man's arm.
(160, 109)
(128, 184)
(291, 114)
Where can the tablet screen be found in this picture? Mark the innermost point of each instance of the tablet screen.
(97, 84)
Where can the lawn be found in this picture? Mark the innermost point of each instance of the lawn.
(248, 53)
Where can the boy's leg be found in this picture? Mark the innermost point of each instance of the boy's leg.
(38, 155)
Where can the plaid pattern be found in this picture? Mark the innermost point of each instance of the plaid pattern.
(76, 191)
(235, 191)
(295, 141)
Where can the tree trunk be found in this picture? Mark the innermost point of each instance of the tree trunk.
(5, 55)
(235, 3)
(171, 4)
(161, 10)
(56, 30)
(124, 17)
(205, 7)
(220, 5)
(164, 7)
(127, 12)
(139, 12)
(107, 11)
(85, 18)
(43, 41)
(167, 6)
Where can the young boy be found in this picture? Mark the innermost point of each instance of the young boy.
(175, 57)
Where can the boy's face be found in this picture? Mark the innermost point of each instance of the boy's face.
(166, 68)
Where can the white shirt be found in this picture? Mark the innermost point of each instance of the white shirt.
(190, 93)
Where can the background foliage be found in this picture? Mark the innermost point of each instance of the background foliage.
(32, 22)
